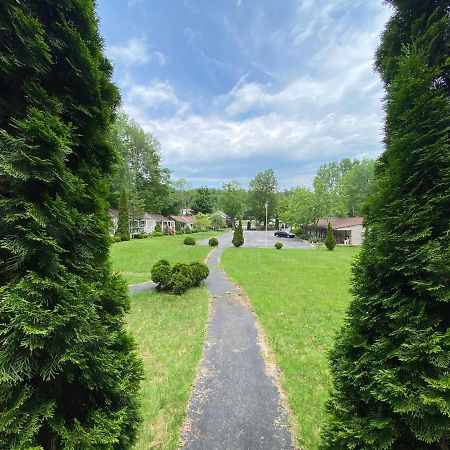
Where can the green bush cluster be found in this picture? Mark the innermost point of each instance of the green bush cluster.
(213, 242)
(189, 240)
(180, 277)
(278, 245)
(140, 236)
(187, 230)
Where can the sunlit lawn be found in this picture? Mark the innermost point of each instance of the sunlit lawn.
(135, 258)
(300, 297)
(170, 332)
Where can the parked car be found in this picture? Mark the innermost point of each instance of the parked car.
(284, 234)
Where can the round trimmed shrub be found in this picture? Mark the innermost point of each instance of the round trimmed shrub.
(181, 278)
(278, 245)
(189, 240)
(161, 273)
(199, 272)
(213, 242)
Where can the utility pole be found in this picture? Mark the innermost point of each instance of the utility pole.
(267, 217)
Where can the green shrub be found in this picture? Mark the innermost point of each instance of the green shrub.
(249, 225)
(196, 230)
(157, 234)
(238, 236)
(181, 278)
(189, 241)
(330, 241)
(199, 272)
(187, 230)
(117, 239)
(278, 245)
(161, 273)
(297, 231)
(158, 228)
(213, 242)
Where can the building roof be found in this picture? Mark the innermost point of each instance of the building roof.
(155, 217)
(184, 219)
(340, 222)
(113, 211)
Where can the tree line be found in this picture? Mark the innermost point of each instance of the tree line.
(340, 188)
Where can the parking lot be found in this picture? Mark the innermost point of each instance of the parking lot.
(258, 239)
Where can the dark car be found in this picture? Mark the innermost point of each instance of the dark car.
(285, 234)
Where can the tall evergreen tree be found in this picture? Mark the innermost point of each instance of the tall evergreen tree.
(69, 375)
(123, 224)
(330, 240)
(391, 361)
(238, 236)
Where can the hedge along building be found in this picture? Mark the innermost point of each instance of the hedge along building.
(348, 230)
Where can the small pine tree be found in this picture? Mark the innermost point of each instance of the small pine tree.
(238, 236)
(249, 225)
(277, 224)
(158, 227)
(178, 227)
(123, 224)
(330, 241)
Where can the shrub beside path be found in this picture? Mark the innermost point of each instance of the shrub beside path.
(235, 404)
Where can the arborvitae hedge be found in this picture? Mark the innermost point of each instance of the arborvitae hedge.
(391, 363)
(123, 224)
(69, 375)
(238, 236)
(330, 240)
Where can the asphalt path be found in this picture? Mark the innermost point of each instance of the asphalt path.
(235, 404)
(258, 239)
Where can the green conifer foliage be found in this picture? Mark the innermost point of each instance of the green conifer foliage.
(391, 362)
(69, 375)
(123, 224)
(238, 236)
(330, 240)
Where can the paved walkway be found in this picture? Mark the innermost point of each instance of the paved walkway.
(235, 404)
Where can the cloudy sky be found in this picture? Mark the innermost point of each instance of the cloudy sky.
(231, 87)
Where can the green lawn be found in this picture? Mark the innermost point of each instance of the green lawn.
(170, 332)
(134, 259)
(300, 297)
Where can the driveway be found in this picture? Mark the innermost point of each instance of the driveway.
(258, 239)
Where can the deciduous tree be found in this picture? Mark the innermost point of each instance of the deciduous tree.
(262, 190)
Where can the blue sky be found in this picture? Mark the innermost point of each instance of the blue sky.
(232, 87)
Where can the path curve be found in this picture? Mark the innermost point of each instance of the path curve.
(235, 404)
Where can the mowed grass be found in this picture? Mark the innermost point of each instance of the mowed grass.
(134, 259)
(299, 297)
(170, 332)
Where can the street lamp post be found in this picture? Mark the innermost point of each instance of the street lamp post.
(267, 217)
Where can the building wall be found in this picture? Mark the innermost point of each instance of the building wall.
(357, 235)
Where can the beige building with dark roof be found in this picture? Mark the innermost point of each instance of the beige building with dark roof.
(347, 230)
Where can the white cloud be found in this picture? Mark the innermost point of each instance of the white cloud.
(330, 107)
(139, 97)
(135, 51)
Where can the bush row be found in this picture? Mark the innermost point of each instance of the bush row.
(179, 277)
